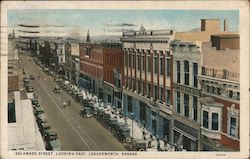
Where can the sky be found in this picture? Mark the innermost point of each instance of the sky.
(113, 22)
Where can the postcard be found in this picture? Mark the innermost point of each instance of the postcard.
(125, 79)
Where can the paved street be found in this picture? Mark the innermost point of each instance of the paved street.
(75, 133)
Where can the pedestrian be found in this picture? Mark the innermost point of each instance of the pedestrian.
(69, 103)
(165, 140)
(158, 144)
(149, 142)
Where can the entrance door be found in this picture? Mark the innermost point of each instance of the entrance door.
(186, 143)
(154, 122)
(166, 128)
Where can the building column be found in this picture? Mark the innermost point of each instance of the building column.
(135, 82)
(164, 76)
(145, 73)
(171, 76)
(130, 59)
(141, 72)
(152, 73)
(158, 76)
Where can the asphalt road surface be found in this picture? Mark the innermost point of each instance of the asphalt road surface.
(75, 133)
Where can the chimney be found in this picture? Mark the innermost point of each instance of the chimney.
(225, 25)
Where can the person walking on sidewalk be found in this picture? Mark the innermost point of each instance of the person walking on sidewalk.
(69, 103)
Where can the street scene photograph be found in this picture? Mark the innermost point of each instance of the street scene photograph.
(123, 80)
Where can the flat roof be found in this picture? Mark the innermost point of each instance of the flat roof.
(227, 36)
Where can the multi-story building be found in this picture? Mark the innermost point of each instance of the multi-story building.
(220, 91)
(113, 73)
(186, 93)
(147, 79)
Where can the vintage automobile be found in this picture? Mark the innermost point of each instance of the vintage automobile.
(111, 123)
(54, 145)
(44, 127)
(30, 89)
(124, 134)
(57, 89)
(34, 101)
(32, 77)
(50, 135)
(139, 145)
(106, 118)
(117, 127)
(39, 113)
(86, 112)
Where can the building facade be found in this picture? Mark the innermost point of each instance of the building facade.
(186, 94)
(220, 95)
(147, 79)
(113, 68)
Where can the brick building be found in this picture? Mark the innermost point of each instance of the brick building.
(220, 95)
(113, 68)
(147, 79)
(101, 70)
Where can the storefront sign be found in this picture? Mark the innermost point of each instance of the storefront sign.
(186, 89)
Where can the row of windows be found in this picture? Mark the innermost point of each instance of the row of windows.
(158, 93)
(211, 121)
(145, 64)
(187, 73)
(186, 104)
(217, 91)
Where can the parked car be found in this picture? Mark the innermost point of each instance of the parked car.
(44, 127)
(39, 113)
(54, 145)
(32, 77)
(30, 89)
(57, 89)
(50, 135)
(139, 145)
(124, 134)
(86, 112)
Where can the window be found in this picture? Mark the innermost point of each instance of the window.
(156, 92)
(215, 121)
(195, 73)
(149, 64)
(168, 97)
(161, 66)
(161, 95)
(142, 88)
(186, 72)
(230, 94)
(218, 91)
(133, 84)
(178, 71)
(213, 89)
(149, 90)
(129, 104)
(109, 99)
(133, 61)
(156, 66)
(139, 87)
(238, 96)
(195, 105)
(138, 62)
(143, 63)
(232, 130)
(168, 68)
(186, 105)
(205, 119)
(126, 60)
(208, 88)
(178, 102)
